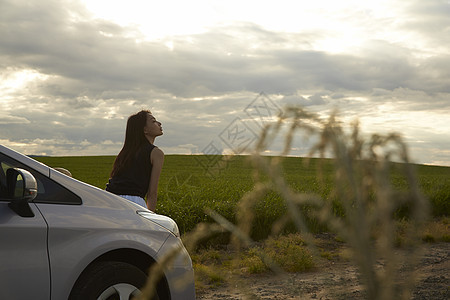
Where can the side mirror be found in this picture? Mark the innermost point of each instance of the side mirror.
(22, 188)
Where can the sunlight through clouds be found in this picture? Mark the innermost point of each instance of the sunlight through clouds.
(343, 25)
(14, 80)
(156, 19)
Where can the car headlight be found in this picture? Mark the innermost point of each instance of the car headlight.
(161, 220)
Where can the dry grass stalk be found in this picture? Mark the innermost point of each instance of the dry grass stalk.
(362, 185)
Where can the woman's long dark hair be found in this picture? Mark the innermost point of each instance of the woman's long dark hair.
(134, 139)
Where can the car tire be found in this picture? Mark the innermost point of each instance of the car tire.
(109, 281)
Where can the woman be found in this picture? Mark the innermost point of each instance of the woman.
(136, 170)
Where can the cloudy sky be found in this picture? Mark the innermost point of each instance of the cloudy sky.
(71, 72)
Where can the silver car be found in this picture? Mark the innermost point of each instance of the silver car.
(61, 239)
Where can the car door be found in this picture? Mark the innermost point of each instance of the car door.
(24, 263)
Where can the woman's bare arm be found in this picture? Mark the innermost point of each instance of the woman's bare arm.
(157, 160)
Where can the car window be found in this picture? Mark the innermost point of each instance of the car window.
(49, 191)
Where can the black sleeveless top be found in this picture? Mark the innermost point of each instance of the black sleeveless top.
(135, 178)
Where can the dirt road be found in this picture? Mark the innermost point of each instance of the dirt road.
(337, 280)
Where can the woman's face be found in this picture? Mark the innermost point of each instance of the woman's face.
(152, 127)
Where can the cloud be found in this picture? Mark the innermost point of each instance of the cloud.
(85, 61)
(299, 100)
(58, 147)
(96, 58)
(7, 119)
(430, 20)
(73, 78)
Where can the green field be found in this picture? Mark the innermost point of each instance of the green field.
(187, 187)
